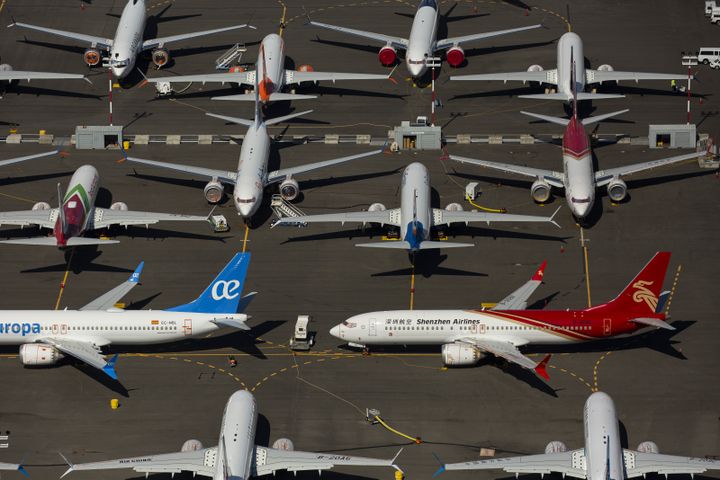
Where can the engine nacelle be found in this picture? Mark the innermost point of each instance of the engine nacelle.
(454, 207)
(41, 206)
(6, 67)
(37, 354)
(306, 68)
(458, 355)
(377, 207)
(387, 56)
(455, 56)
(92, 57)
(535, 68)
(606, 68)
(283, 444)
(648, 447)
(556, 446)
(540, 191)
(160, 57)
(214, 191)
(119, 206)
(289, 189)
(617, 190)
(191, 445)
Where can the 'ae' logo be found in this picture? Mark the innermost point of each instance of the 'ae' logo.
(227, 290)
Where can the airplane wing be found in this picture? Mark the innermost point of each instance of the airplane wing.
(508, 351)
(25, 218)
(270, 460)
(638, 463)
(10, 161)
(556, 179)
(603, 177)
(200, 462)
(449, 42)
(159, 42)
(600, 76)
(10, 75)
(283, 173)
(566, 463)
(517, 300)
(396, 42)
(294, 76)
(385, 217)
(222, 175)
(244, 78)
(13, 466)
(108, 300)
(104, 43)
(445, 217)
(105, 217)
(544, 76)
(84, 351)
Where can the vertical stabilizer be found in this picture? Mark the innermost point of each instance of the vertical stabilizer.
(642, 296)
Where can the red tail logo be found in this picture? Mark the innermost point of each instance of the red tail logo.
(644, 294)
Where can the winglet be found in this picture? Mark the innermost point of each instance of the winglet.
(135, 277)
(442, 466)
(540, 368)
(540, 273)
(392, 462)
(109, 369)
(69, 463)
(552, 217)
(21, 469)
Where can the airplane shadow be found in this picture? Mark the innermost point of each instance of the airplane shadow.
(33, 178)
(427, 263)
(39, 92)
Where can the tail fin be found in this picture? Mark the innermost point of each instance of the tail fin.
(640, 298)
(223, 295)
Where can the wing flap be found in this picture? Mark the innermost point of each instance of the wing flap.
(385, 217)
(543, 76)
(640, 464)
(25, 218)
(570, 463)
(449, 42)
(508, 351)
(600, 76)
(105, 217)
(200, 462)
(270, 460)
(445, 217)
(294, 76)
(243, 78)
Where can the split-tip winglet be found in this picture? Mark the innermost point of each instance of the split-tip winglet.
(21, 469)
(442, 466)
(392, 462)
(540, 272)
(71, 467)
(135, 277)
(541, 367)
(109, 369)
(552, 217)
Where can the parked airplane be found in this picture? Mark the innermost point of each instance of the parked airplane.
(422, 43)
(602, 456)
(236, 456)
(46, 336)
(467, 335)
(570, 46)
(578, 178)
(77, 214)
(128, 42)
(14, 466)
(415, 217)
(252, 176)
(275, 77)
(10, 161)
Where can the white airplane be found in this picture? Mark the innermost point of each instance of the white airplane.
(10, 161)
(236, 456)
(467, 335)
(252, 176)
(14, 466)
(422, 43)
(601, 458)
(570, 46)
(128, 42)
(46, 336)
(77, 214)
(578, 178)
(275, 77)
(415, 217)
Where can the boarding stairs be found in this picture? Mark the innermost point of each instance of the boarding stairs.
(234, 55)
(284, 209)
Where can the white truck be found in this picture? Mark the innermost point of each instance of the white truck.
(709, 7)
(302, 339)
(709, 56)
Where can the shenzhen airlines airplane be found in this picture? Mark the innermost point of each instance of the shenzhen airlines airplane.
(578, 178)
(236, 456)
(564, 79)
(77, 214)
(422, 43)
(601, 458)
(128, 42)
(46, 336)
(415, 217)
(275, 77)
(467, 335)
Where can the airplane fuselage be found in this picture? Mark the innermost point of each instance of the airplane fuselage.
(128, 40)
(421, 43)
(578, 169)
(271, 65)
(77, 204)
(252, 170)
(603, 449)
(415, 207)
(237, 437)
(569, 49)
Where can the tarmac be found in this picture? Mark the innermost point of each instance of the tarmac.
(663, 383)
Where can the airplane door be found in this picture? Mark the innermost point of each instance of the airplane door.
(607, 327)
(187, 326)
(478, 328)
(373, 327)
(63, 329)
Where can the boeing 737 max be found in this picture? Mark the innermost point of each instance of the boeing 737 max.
(236, 456)
(601, 458)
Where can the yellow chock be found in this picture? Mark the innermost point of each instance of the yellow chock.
(126, 145)
(114, 403)
(42, 132)
(13, 131)
(399, 475)
(116, 85)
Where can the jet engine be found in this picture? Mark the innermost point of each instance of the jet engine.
(617, 190)
(387, 56)
(648, 447)
(556, 446)
(454, 207)
(305, 68)
(458, 354)
(535, 68)
(160, 57)
(540, 191)
(377, 207)
(283, 444)
(41, 206)
(38, 354)
(289, 189)
(455, 56)
(119, 206)
(213, 191)
(92, 57)
(191, 445)
(606, 68)
(6, 67)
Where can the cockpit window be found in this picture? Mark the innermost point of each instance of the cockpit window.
(580, 200)
(245, 200)
(349, 324)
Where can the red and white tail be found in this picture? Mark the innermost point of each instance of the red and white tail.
(643, 295)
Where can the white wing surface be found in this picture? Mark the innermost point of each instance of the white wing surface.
(270, 460)
(10, 161)
(25, 218)
(603, 177)
(517, 300)
(280, 175)
(640, 464)
(386, 217)
(105, 217)
(294, 76)
(223, 175)
(556, 179)
(396, 42)
(449, 42)
(159, 42)
(445, 217)
(108, 300)
(545, 76)
(21, 75)
(200, 462)
(508, 351)
(85, 351)
(600, 76)
(244, 78)
(570, 463)
(93, 41)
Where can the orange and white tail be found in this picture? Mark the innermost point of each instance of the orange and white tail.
(644, 296)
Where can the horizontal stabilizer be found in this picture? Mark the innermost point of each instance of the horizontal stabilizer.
(653, 322)
(580, 96)
(233, 322)
(547, 118)
(52, 241)
(604, 116)
(402, 245)
(274, 97)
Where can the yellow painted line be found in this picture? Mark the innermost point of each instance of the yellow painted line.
(672, 290)
(64, 281)
(412, 285)
(247, 232)
(22, 199)
(2, 5)
(282, 19)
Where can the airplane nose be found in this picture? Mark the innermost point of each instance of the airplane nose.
(335, 331)
(415, 69)
(119, 72)
(245, 209)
